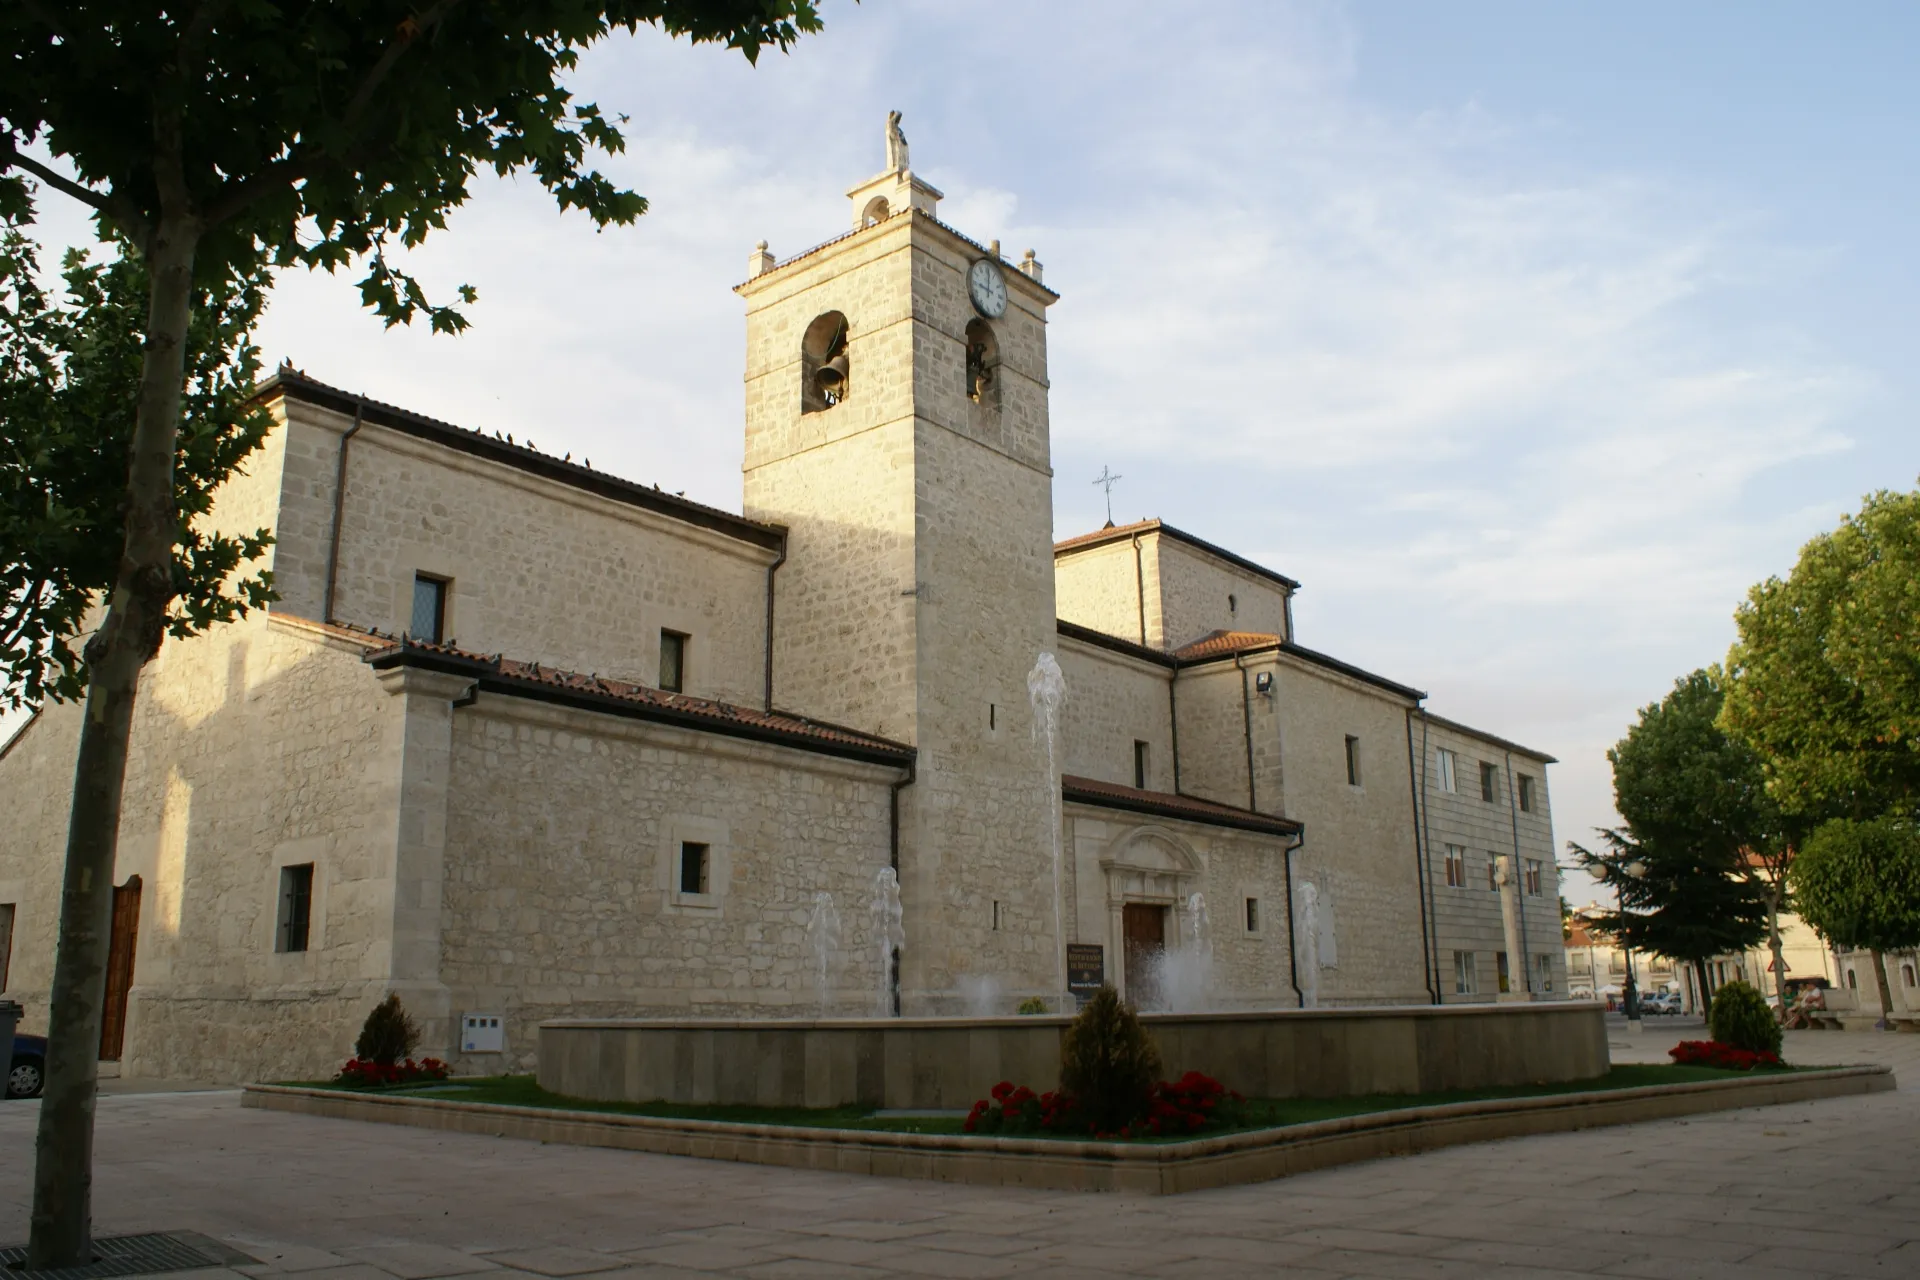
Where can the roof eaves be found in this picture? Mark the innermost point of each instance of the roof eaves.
(298, 386)
(1495, 739)
(1108, 795)
(1100, 639)
(494, 675)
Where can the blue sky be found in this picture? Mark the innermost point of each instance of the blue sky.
(1526, 336)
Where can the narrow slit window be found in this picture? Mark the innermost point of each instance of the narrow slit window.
(694, 866)
(1353, 761)
(1253, 915)
(1526, 792)
(296, 907)
(7, 910)
(1456, 867)
(429, 621)
(1142, 764)
(1489, 781)
(673, 661)
(1444, 766)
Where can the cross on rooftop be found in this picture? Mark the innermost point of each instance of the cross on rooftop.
(1106, 480)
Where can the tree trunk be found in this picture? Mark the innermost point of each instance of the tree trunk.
(1779, 951)
(1886, 990)
(128, 637)
(1706, 990)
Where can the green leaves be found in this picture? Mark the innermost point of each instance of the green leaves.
(69, 381)
(1858, 883)
(1824, 680)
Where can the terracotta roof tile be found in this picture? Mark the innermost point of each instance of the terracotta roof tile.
(1216, 643)
(496, 674)
(1112, 795)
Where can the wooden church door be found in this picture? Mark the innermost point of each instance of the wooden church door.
(1145, 929)
(126, 930)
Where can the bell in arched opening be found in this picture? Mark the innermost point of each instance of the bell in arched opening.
(826, 363)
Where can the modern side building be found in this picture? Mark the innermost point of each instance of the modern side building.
(521, 739)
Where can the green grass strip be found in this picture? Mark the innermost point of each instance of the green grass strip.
(1260, 1113)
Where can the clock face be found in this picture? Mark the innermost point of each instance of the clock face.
(988, 288)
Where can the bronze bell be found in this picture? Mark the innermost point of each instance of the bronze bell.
(833, 374)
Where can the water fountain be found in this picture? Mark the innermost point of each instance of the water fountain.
(889, 934)
(981, 992)
(1183, 975)
(1047, 693)
(823, 935)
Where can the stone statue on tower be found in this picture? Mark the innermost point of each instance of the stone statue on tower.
(896, 145)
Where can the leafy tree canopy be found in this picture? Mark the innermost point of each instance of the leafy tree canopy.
(1858, 883)
(324, 134)
(69, 377)
(1679, 780)
(1672, 903)
(1824, 680)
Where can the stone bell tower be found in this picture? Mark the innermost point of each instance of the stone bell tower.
(896, 423)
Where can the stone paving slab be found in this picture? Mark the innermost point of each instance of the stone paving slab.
(1836, 1197)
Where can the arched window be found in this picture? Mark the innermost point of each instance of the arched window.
(826, 369)
(1853, 983)
(1906, 974)
(877, 210)
(983, 364)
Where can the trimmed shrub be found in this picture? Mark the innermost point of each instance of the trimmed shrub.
(1740, 1017)
(1032, 1004)
(1108, 1063)
(388, 1035)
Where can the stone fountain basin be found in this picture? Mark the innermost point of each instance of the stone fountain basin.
(948, 1063)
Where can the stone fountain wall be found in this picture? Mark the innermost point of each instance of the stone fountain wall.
(950, 1062)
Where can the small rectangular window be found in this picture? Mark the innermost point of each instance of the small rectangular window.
(1525, 783)
(1253, 917)
(429, 620)
(1456, 867)
(296, 907)
(1141, 761)
(1500, 967)
(1444, 763)
(1493, 871)
(693, 867)
(1353, 761)
(1489, 781)
(1534, 871)
(6, 942)
(673, 661)
(1464, 975)
(1544, 965)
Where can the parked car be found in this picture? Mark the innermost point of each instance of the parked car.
(28, 1072)
(1660, 1002)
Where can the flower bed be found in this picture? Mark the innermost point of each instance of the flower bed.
(1189, 1105)
(362, 1074)
(1712, 1053)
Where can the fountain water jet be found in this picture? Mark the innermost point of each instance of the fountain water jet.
(981, 991)
(889, 933)
(823, 932)
(1047, 693)
(1183, 975)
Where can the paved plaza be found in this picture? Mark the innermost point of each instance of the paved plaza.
(1808, 1190)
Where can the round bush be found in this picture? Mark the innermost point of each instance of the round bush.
(388, 1035)
(1740, 1017)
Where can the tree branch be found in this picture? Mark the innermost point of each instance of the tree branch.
(47, 19)
(104, 202)
(281, 173)
(378, 72)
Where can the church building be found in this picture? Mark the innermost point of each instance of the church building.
(523, 740)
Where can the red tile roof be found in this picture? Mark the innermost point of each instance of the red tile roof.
(1112, 795)
(507, 676)
(1219, 643)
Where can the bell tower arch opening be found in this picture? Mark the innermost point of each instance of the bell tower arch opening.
(983, 364)
(826, 366)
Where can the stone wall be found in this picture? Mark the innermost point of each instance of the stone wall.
(1101, 587)
(264, 744)
(560, 894)
(1467, 918)
(1200, 593)
(1114, 701)
(539, 570)
(1360, 848)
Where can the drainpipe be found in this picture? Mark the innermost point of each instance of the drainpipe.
(339, 510)
(893, 860)
(1173, 720)
(1423, 858)
(771, 570)
(1246, 714)
(1293, 943)
(1140, 588)
(1520, 866)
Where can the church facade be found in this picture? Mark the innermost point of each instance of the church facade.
(524, 740)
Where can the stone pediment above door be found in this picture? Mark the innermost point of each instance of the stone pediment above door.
(1150, 864)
